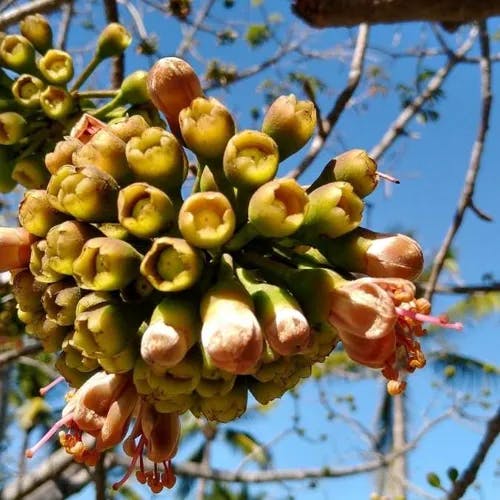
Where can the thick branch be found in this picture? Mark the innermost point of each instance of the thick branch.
(25, 350)
(323, 13)
(468, 476)
(13, 16)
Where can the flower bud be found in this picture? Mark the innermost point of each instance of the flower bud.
(77, 360)
(59, 301)
(62, 154)
(17, 53)
(225, 408)
(214, 382)
(353, 166)
(284, 325)
(86, 193)
(128, 127)
(231, 335)
(49, 333)
(36, 214)
(103, 326)
(207, 180)
(134, 88)
(334, 209)
(113, 230)
(112, 41)
(156, 157)
(207, 220)
(56, 102)
(277, 208)
(172, 265)
(144, 210)
(56, 66)
(106, 264)
(27, 291)
(15, 244)
(123, 362)
(173, 329)
(12, 128)
(27, 90)
(39, 263)
(173, 84)
(30, 172)
(206, 127)
(106, 152)
(65, 242)
(380, 255)
(37, 30)
(250, 159)
(74, 377)
(290, 123)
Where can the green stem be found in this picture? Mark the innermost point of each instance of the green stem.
(108, 107)
(275, 272)
(91, 66)
(96, 94)
(246, 234)
(197, 179)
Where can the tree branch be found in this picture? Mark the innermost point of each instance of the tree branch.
(13, 354)
(475, 161)
(323, 13)
(13, 16)
(469, 474)
(328, 125)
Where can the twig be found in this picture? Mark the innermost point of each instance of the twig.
(66, 17)
(188, 37)
(100, 479)
(468, 475)
(474, 164)
(137, 18)
(353, 80)
(12, 355)
(397, 127)
(466, 289)
(13, 16)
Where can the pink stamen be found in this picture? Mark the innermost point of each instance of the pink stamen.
(48, 387)
(63, 421)
(388, 177)
(131, 467)
(425, 318)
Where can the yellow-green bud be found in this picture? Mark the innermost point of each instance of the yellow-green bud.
(277, 208)
(173, 84)
(206, 127)
(56, 102)
(62, 154)
(128, 127)
(250, 159)
(112, 41)
(225, 408)
(27, 90)
(106, 152)
(207, 220)
(74, 377)
(144, 210)
(37, 30)
(31, 173)
(134, 88)
(59, 301)
(106, 264)
(56, 66)
(86, 193)
(39, 263)
(65, 242)
(12, 128)
(290, 123)
(37, 215)
(156, 157)
(17, 53)
(27, 291)
(123, 362)
(171, 264)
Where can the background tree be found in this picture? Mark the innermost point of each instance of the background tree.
(419, 98)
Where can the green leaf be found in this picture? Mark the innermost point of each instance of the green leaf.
(433, 480)
(248, 444)
(452, 474)
(257, 34)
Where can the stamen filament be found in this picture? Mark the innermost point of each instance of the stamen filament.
(388, 177)
(63, 421)
(425, 318)
(48, 387)
(131, 467)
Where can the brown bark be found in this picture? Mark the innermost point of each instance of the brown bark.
(323, 13)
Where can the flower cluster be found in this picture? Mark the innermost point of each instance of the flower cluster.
(159, 301)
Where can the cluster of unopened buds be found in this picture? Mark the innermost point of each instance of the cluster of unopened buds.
(160, 301)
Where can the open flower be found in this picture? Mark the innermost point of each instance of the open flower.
(378, 320)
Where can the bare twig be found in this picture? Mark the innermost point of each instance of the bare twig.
(13, 16)
(66, 17)
(475, 161)
(333, 116)
(188, 37)
(466, 289)
(25, 350)
(397, 127)
(469, 474)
